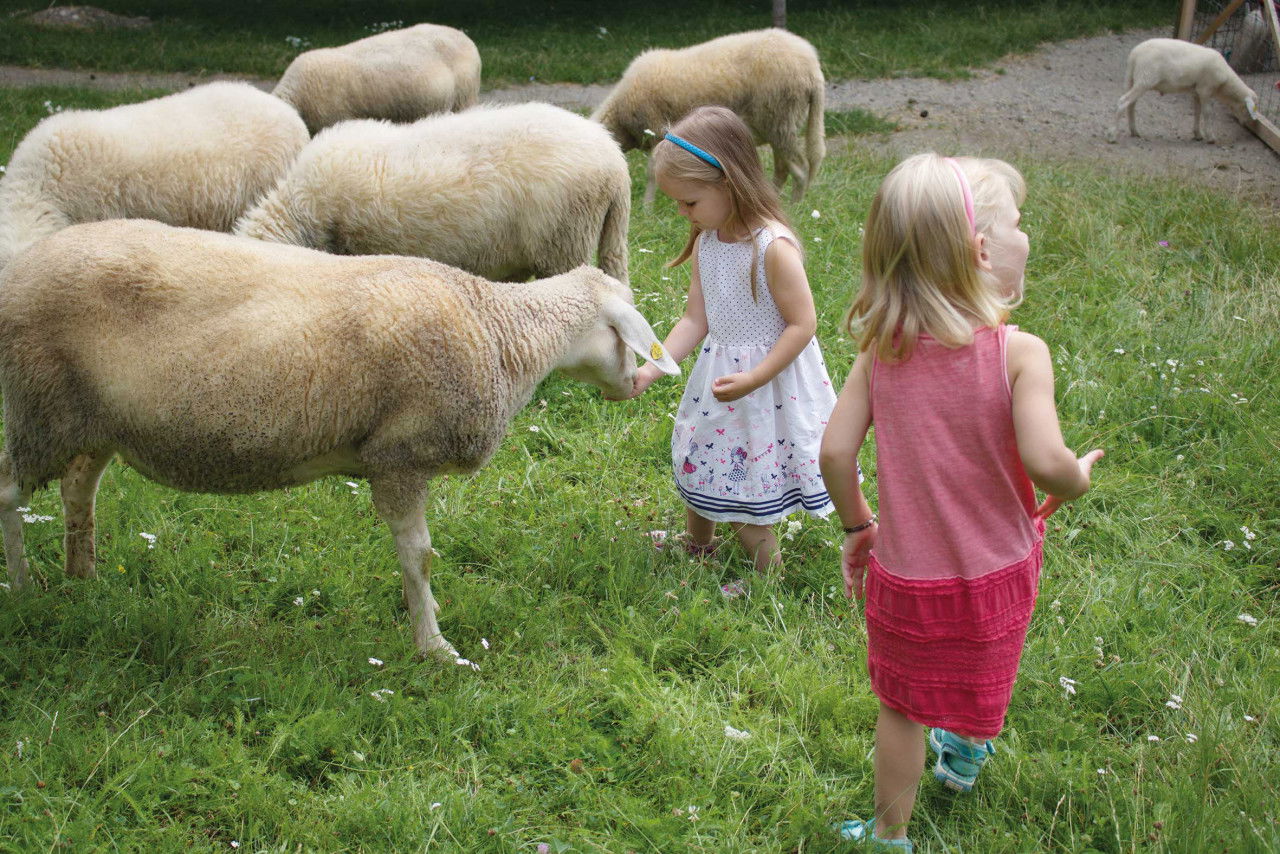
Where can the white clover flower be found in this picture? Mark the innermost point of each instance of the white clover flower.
(534, 428)
(1248, 535)
(150, 538)
(355, 487)
(1228, 545)
(1068, 685)
(1102, 772)
(297, 600)
(1173, 705)
(436, 805)
(376, 662)
(462, 662)
(1250, 719)
(1248, 619)
(1192, 738)
(793, 528)
(816, 214)
(1119, 350)
(33, 518)
(1153, 738)
(381, 694)
(817, 240)
(1180, 458)
(736, 734)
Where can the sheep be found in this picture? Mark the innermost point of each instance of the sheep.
(771, 78)
(214, 363)
(400, 75)
(197, 158)
(505, 192)
(1172, 65)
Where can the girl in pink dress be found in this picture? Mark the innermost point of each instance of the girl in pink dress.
(966, 428)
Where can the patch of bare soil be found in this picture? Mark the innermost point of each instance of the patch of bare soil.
(1055, 104)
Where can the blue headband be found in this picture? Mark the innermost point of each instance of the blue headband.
(694, 150)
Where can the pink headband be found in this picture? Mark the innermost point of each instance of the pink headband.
(966, 192)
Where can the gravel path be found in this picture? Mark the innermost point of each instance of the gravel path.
(1053, 104)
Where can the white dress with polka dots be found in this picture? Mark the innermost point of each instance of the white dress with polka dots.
(753, 460)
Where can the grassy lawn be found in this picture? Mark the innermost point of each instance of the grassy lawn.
(580, 41)
(218, 688)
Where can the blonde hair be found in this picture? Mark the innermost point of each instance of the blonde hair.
(919, 266)
(753, 200)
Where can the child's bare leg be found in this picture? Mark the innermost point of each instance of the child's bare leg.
(700, 529)
(760, 543)
(898, 764)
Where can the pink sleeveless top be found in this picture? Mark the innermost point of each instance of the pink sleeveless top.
(954, 573)
(954, 498)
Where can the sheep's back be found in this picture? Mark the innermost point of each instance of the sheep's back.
(197, 158)
(220, 363)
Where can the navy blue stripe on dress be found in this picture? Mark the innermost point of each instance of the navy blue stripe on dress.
(764, 508)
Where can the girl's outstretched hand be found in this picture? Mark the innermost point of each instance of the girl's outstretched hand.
(1052, 503)
(645, 375)
(854, 558)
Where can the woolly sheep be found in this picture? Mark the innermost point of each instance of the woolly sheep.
(213, 363)
(505, 192)
(198, 158)
(401, 75)
(771, 78)
(1172, 65)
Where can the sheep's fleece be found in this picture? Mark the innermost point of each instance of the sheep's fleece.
(198, 158)
(400, 75)
(215, 363)
(505, 192)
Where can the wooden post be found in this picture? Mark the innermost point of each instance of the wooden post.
(1217, 22)
(1186, 20)
(780, 14)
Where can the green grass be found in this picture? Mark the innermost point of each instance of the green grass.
(573, 40)
(184, 700)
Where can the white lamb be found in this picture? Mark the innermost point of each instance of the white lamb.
(213, 363)
(771, 78)
(400, 75)
(504, 192)
(198, 158)
(1172, 65)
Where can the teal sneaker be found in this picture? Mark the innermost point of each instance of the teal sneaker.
(862, 833)
(959, 761)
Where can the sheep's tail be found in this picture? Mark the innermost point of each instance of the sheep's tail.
(275, 222)
(612, 250)
(815, 135)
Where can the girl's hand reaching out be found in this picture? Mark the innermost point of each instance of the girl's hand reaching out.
(1052, 503)
(854, 558)
(733, 386)
(645, 375)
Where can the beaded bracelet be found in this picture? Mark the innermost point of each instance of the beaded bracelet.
(867, 524)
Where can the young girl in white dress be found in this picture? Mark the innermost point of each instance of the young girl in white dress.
(745, 443)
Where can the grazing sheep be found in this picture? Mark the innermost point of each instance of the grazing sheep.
(400, 75)
(213, 363)
(771, 78)
(503, 192)
(1172, 65)
(198, 158)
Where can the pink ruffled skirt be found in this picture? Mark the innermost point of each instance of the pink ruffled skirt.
(945, 651)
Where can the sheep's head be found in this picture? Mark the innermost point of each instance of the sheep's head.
(603, 355)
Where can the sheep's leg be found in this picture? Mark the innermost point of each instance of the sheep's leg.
(1126, 105)
(1198, 102)
(11, 498)
(650, 182)
(788, 156)
(79, 488)
(401, 502)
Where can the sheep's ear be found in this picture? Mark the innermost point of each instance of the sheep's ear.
(638, 335)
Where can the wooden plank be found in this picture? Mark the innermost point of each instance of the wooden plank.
(1219, 21)
(1266, 131)
(1186, 19)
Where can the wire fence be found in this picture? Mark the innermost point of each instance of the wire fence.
(1243, 35)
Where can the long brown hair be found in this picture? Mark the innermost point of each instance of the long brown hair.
(753, 200)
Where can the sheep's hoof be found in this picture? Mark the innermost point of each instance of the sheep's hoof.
(439, 650)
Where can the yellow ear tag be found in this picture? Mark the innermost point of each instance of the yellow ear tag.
(655, 351)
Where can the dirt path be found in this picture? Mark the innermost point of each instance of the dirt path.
(1054, 104)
